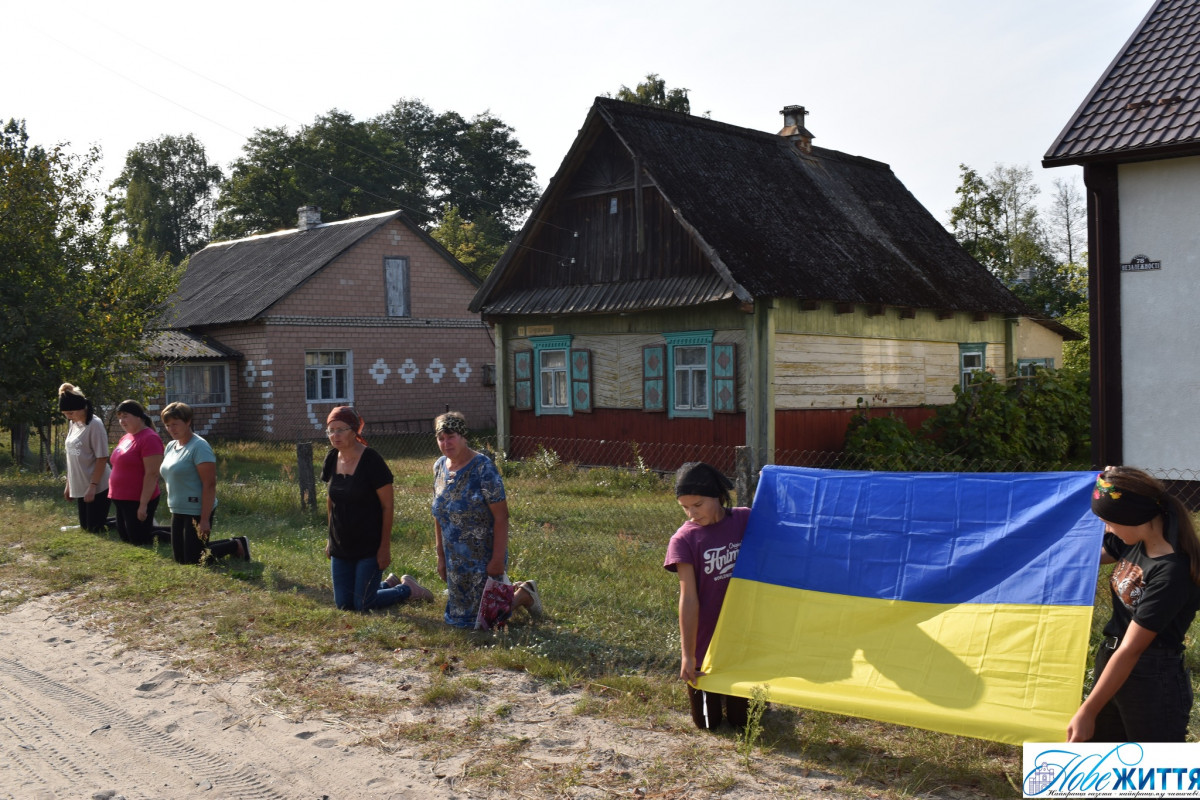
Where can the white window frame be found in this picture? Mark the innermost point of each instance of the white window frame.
(676, 344)
(397, 286)
(557, 376)
(189, 397)
(329, 371)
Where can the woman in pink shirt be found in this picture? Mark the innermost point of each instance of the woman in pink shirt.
(133, 484)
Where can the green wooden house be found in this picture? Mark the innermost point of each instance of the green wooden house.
(689, 283)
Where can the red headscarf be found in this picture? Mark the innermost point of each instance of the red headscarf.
(347, 415)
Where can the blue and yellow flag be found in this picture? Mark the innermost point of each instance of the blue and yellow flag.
(957, 602)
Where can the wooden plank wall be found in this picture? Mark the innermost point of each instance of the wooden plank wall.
(833, 372)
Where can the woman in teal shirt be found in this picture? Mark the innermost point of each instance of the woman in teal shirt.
(189, 469)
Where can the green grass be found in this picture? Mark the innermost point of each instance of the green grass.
(593, 539)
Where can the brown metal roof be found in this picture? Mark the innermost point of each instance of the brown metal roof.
(1147, 103)
(610, 298)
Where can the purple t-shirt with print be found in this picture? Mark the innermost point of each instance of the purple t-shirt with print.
(712, 551)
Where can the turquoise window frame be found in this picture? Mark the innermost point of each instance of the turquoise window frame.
(688, 339)
(540, 345)
(970, 349)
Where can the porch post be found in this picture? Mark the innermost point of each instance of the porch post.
(503, 377)
(760, 382)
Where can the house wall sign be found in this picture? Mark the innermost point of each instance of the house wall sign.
(1141, 263)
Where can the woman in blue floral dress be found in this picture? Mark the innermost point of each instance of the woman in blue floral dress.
(470, 521)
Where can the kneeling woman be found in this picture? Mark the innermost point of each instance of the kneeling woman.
(133, 482)
(1142, 692)
(361, 504)
(189, 469)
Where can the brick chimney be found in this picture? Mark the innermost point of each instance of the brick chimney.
(793, 127)
(310, 217)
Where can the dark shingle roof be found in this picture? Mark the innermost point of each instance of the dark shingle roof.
(1147, 103)
(237, 281)
(777, 222)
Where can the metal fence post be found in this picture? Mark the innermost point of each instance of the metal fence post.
(304, 474)
(745, 480)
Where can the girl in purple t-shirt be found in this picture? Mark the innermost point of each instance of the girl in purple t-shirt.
(702, 552)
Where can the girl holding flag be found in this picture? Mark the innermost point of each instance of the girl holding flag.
(1142, 690)
(702, 552)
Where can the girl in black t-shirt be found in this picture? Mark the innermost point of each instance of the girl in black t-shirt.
(360, 505)
(1142, 691)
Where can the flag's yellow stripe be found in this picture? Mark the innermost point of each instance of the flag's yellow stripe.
(1009, 673)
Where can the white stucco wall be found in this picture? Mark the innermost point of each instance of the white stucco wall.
(1160, 314)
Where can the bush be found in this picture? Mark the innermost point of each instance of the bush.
(1040, 421)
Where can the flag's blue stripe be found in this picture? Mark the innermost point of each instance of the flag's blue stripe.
(926, 537)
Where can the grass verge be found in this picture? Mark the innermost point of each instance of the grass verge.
(594, 540)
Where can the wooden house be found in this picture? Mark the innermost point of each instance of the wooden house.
(266, 334)
(686, 281)
(1137, 136)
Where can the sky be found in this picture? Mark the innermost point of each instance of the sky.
(923, 86)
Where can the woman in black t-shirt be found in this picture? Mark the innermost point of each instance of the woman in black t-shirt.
(1142, 690)
(360, 505)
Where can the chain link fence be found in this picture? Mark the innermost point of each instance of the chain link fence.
(411, 440)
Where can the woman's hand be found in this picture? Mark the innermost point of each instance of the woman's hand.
(327, 553)
(441, 567)
(688, 671)
(90, 494)
(1082, 727)
(66, 492)
(495, 567)
(384, 556)
(141, 514)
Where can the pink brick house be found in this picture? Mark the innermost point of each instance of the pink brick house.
(369, 312)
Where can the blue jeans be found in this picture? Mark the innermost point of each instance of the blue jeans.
(1152, 705)
(357, 585)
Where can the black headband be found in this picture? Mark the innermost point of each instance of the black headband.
(69, 401)
(1121, 505)
(696, 477)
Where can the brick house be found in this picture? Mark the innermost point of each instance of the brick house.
(691, 283)
(1137, 137)
(266, 334)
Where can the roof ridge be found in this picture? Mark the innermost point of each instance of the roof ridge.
(290, 231)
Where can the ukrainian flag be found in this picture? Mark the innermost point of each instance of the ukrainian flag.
(960, 603)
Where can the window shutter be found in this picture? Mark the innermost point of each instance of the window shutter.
(724, 363)
(654, 367)
(523, 380)
(581, 380)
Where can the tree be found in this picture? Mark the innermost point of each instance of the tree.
(476, 165)
(478, 245)
(997, 221)
(1068, 221)
(653, 92)
(974, 220)
(163, 198)
(73, 305)
(408, 157)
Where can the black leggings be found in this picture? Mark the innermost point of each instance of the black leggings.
(133, 530)
(93, 516)
(706, 709)
(188, 547)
